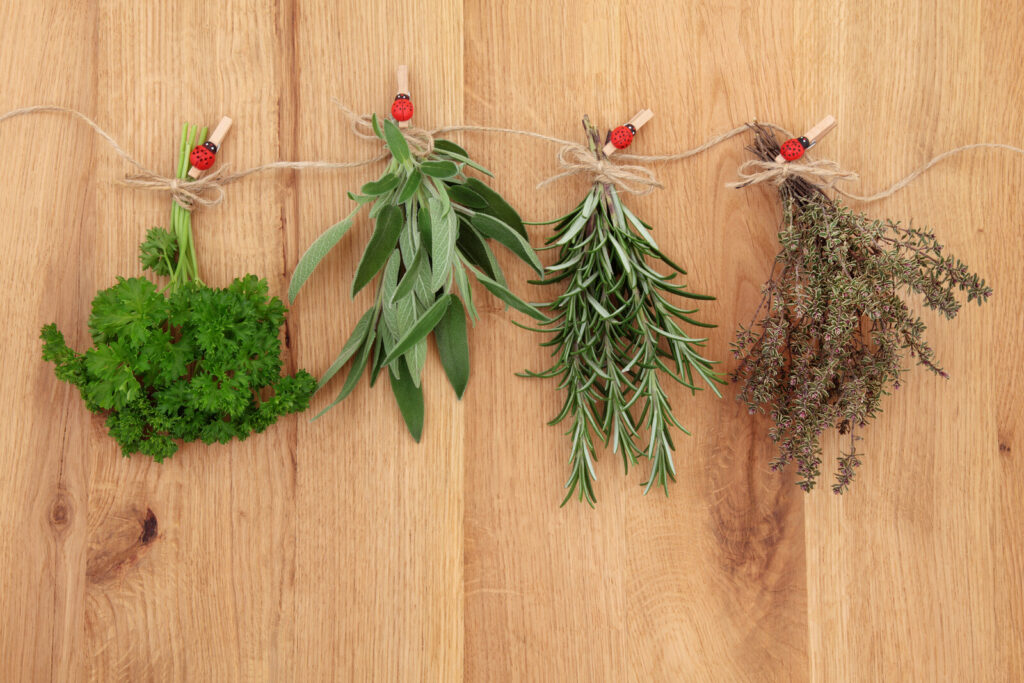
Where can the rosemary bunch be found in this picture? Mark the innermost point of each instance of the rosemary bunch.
(432, 227)
(615, 334)
(832, 328)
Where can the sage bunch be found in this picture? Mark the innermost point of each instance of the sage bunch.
(433, 230)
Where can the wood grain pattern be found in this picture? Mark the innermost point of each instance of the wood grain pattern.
(340, 550)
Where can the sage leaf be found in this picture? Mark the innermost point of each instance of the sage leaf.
(381, 186)
(439, 169)
(355, 341)
(442, 248)
(316, 252)
(423, 326)
(396, 142)
(410, 187)
(409, 398)
(499, 230)
(497, 206)
(460, 194)
(453, 346)
(408, 280)
(380, 246)
(353, 374)
(511, 299)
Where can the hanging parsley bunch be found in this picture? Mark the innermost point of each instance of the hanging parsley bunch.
(432, 227)
(188, 362)
(830, 334)
(616, 334)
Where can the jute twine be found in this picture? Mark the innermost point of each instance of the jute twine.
(573, 158)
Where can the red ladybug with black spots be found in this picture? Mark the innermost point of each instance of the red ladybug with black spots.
(203, 156)
(622, 136)
(401, 108)
(792, 150)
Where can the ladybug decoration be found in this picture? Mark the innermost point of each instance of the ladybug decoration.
(203, 155)
(401, 108)
(794, 149)
(622, 136)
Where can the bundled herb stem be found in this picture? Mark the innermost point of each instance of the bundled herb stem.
(615, 335)
(432, 227)
(184, 363)
(829, 336)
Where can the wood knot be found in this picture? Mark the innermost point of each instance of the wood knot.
(148, 528)
(122, 546)
(60, 513)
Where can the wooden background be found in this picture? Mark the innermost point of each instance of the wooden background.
(341, 550)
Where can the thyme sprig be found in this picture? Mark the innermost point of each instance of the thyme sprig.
(615, 334)
(432, 227)
(830, 333)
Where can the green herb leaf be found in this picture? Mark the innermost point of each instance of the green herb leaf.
(511, 299)
(409, 279)
(380, 246)
(498, 207)
(410, 187)
(442, 248)
(453, 346)
(439, 169)
(503, 233)
(355, 341)
(316, 252)
(423, 326)
(460, 194)
(382, 185)
(396, 142)
(409, 398)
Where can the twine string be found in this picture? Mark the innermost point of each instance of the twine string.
(573, 158)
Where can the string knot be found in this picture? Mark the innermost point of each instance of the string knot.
(206, 191)
(575, 158)
(821, 173)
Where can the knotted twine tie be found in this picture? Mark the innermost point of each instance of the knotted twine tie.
(821, 173)
(824, 174)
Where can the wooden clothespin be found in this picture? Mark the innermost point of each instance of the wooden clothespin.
(401, 108)
(622, 136)
(204, 155)
(792, 150)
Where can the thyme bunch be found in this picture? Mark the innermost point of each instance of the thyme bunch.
(832, 328)
(616, 333)
(432, 227)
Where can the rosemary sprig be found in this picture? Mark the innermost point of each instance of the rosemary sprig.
(830, 334)
(615, 333)
(432, 227)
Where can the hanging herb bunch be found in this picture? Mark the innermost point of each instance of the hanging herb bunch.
(830, 334)
(432, 227)
(616, 333)
(184, 362)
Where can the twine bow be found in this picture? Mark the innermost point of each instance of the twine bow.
(206, 191)
(822, 173)
(575, 158)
